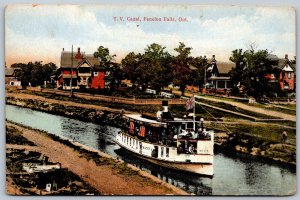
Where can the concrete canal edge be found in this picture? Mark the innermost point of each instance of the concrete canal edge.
(76, 145)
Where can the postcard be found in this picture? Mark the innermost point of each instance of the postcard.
(150, 100)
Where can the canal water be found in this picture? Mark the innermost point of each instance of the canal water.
(234, 174)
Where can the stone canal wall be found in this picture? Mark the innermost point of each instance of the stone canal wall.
(82, 113)
(242, 143)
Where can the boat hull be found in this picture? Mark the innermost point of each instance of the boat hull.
(205, 169)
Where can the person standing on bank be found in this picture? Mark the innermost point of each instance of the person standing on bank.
(284, 136)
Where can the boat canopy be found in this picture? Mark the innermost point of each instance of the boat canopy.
(181, 120)
(138, 118)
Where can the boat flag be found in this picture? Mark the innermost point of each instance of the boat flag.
(190, 103)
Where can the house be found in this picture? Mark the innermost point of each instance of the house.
(11, 77)
(217, 75)
(83, 69)
(287, 74)
(284, 72)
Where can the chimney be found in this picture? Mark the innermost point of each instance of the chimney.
(78, 55)
(63, 49)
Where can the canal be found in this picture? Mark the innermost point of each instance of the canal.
(234, 174)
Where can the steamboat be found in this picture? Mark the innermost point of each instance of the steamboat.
(178, 143)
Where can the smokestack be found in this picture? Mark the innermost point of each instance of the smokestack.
(165, 106)
(78, 50)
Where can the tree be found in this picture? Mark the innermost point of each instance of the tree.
(116, 76)
(24, 74)
(34, 73)
(197, 75)
(181, 71)
(155, 67)
(104, 57)
(251, 68)
(130, 65)
(237, 75)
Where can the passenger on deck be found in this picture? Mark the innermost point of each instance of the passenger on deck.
(182, 133)
(206, 134)
(180, 149)
(189, 134)
(137, 130)
(196, 135)
(191, 149)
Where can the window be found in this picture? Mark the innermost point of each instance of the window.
(190, 125)
(221, 84)
(162, 152)
(95, 73)
(228, 83)
(167, 152)
(289, 75)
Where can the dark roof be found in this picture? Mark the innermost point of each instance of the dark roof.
(10, 71)
(66, 61)
(224, 67)
(282, 62)
(272, 57)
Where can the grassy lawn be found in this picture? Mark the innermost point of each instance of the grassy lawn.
(266, 131)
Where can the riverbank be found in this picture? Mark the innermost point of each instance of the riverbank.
(268, 145)
(109, 176)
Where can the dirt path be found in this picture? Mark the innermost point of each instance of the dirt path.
(103, 178)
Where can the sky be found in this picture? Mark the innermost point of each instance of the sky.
(39, 32)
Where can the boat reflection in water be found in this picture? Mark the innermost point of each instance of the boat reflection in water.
(192, 183)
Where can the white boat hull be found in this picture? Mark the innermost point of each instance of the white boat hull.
(203, 168)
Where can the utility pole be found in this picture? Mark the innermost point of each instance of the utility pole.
(205, 63)
(194, 115)
(71, 73)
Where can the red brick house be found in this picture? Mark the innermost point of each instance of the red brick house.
(284, 73)
(85, 71)
(287, 75)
